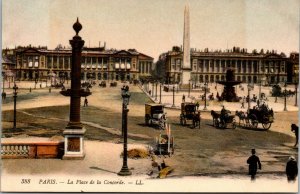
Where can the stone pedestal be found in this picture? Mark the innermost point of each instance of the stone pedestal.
(74, 148)
(186, 77)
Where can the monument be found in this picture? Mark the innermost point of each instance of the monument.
(228, 93)
(186, 65)
(74, 131)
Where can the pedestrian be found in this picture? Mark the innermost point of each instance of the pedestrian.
(243, 104)
(291, 169)
(295, 129)
(183, 98)
(197, 105)
(253, 162)
(85, 102)
(40, 85)
(258, 103)
(3, 95)
(30, 89)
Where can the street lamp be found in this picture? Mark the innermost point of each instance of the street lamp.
(35, 82)
(159, 93)
(259, 92)
(15, 88)
(296, 94)
(125, 96)
(152, 92)
(155, 91)
(3, 78)
(285, 109)
(173, 96)
(249, 88)
(189, 88)
(205, 88)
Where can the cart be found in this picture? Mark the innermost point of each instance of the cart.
(154, 114)
(189, 112)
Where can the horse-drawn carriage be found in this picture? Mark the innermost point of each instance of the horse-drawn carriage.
(222, 120)
(102, 84)
(154, 114)
(262, 115)
(113, 84)
(189, 112)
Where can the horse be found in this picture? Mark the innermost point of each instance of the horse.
(197, 119)
(242, 116)
(215, 116)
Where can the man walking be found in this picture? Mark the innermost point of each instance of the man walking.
(85, 102)
(253, 162)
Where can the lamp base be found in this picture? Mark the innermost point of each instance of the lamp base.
(124, 171)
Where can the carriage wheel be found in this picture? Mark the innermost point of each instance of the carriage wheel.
(233, 124)
(184, 121)
(253, 121)
(216, 123)
(266, 126)
(222, 124)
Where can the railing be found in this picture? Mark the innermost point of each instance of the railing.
(16, 150)
(11, 151)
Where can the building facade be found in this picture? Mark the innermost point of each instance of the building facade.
(97, 64)
(210, 66)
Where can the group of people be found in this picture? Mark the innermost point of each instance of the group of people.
(291, 169)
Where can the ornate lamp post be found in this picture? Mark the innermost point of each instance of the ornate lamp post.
(205, 89)
(173, 96)
(125, 96)
(15, 88)
(74, 131)
(285, 109)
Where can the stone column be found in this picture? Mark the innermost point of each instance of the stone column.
(52, 63)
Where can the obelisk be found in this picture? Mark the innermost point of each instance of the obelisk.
(186, 65)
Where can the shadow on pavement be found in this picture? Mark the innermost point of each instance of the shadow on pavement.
(97, 168)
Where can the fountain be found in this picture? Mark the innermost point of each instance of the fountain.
(229, 94)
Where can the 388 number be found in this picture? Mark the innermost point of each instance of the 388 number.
(25, 181)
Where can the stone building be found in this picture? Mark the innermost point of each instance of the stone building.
(293, 68)
(210, 66)
(97, 63)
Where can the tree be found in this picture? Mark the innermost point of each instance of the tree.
(276, 91)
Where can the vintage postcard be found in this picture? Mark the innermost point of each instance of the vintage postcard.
(149, 96)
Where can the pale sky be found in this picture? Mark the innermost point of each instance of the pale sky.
(153, 26)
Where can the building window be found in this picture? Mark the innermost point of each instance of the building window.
(55, 62)
(61, 62)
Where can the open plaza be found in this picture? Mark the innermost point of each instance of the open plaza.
(206, 151)
(82, 118)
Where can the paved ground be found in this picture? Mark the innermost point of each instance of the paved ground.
(206, 151)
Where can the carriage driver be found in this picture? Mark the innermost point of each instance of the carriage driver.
(224, 114)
